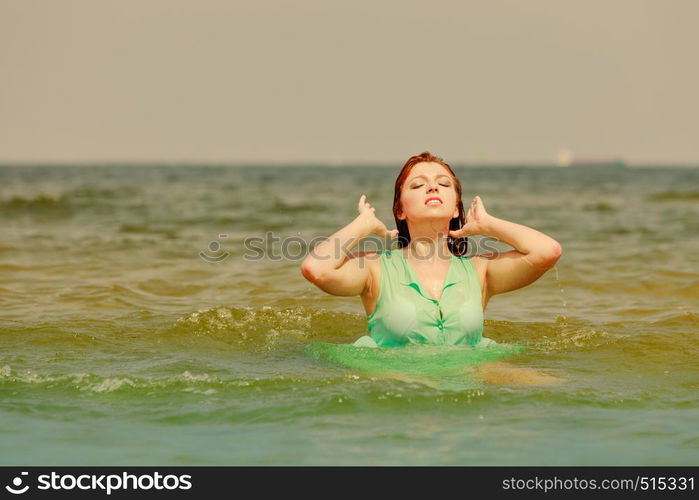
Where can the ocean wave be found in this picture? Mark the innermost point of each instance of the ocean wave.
(96, 193)
(165, 288)
(149, 229)
(688, 319)
(187, 382)
(266, 327)
(248, 329)
(566, 333)
(600, 207)
(665, 340)
(680, 286)
(326, 393)
(42, 202)
(675, 195)
(279, 205)
(331, 393)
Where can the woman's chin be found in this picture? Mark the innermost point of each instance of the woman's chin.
(433, 213)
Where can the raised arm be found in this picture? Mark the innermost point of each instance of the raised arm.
(534, 254)
(331, 266)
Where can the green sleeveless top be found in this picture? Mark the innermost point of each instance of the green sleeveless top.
(405, 313)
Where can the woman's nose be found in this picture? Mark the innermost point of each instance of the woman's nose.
(431, 187)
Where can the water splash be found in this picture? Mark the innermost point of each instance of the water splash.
(564, 304)
(266, 328)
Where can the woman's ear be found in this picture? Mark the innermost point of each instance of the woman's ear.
(400, 215)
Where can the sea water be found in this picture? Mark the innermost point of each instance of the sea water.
(140, 323)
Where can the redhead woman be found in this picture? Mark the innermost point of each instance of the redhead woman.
(428, 291)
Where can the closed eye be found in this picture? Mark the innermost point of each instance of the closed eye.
(420, 185)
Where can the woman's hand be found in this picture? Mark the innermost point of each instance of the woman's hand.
(476, 220)
(372, 223)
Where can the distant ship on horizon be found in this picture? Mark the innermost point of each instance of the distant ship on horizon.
(565, 159)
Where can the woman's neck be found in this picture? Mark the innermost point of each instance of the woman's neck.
(428, 240)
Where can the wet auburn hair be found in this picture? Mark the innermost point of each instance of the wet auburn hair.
(457, 246)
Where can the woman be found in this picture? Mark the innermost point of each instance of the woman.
(427, 291)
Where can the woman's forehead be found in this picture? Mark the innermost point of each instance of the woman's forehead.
(429, 169)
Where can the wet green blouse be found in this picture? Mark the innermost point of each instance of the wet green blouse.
(405, 313)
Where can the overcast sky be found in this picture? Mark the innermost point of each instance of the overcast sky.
(354, 81)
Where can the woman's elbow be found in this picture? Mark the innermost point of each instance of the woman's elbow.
(310, 272)
(554, 253)
(556, 250)
(548, 257)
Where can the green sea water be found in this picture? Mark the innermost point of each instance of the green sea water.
(139, 325)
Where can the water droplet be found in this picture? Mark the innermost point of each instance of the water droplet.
(563, 300)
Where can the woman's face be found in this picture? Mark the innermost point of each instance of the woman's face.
(429, 193)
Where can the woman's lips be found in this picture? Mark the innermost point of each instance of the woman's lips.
(431, 201)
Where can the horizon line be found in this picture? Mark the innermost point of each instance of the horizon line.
(592, 163)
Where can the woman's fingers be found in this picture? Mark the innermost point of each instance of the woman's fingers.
(479, 209)
(479, 203)
(360, 205)
(380, 227)
(363, 203)
(474, 218)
